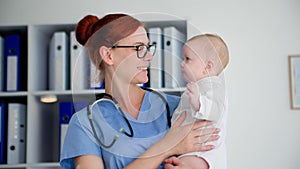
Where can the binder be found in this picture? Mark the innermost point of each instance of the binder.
(156, 66)
(12, 52)
(66, 111)
(173, 44)
(79, 65)
(3, 133)
(59, 62)
(94, 81)
(79, 105)
(2, 64)
(16, 140)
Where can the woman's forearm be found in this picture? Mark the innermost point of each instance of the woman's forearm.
(178, 140)
(152, 158)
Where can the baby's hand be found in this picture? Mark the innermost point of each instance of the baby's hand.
(174, 162)
(194, 94)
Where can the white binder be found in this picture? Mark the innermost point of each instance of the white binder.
(16, 141)
(173, 43)
(59, 62)
(2, 64)
(79, 65)
(94, 77)
(156, 67)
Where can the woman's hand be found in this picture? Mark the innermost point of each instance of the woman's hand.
(178, 140)
(189, 138)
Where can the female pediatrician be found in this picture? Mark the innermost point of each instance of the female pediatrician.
(128, 126)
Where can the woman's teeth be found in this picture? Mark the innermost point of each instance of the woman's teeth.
(142, 68)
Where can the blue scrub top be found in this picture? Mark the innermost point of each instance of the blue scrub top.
(150, 127)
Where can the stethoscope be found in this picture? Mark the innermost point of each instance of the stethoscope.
(122, 130)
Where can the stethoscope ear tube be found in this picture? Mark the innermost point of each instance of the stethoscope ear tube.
(165, 102)
(95, 133)
(102, 95)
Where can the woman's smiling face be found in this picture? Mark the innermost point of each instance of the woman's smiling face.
(126, 62)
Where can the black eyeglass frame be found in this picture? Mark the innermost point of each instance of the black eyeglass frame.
(137, 49)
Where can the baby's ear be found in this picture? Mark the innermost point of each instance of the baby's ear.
(106, 55)
(209, 65)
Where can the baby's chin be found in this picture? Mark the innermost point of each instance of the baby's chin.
(188, 80)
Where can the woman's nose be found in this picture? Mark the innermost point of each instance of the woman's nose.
(148, 56)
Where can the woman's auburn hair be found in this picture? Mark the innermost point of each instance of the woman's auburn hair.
(93, 32)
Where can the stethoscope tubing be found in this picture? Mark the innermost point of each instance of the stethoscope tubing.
(99, 97)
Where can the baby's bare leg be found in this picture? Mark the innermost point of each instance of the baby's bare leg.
(195, 162)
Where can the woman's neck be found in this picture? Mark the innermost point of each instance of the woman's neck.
(129, 97)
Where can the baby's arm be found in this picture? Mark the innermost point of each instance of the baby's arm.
(187, 162)
(207, 104)
(194, 95)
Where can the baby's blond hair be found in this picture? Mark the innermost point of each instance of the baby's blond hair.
(216, 49)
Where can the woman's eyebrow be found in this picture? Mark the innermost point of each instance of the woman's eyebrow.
(141, 43)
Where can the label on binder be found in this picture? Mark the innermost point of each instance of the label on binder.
(12, 72)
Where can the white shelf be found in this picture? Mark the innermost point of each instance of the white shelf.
(13, 94)
(5, 166)
(91, 91)
(68, 92)
(32, 166)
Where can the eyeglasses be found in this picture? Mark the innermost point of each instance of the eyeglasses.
(141, 49)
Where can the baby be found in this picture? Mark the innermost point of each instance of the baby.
(204, 59)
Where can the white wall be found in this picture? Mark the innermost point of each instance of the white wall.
(263, 132)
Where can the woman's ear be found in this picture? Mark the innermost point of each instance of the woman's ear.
(106, 55)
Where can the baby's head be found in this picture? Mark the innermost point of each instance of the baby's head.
(204, 55)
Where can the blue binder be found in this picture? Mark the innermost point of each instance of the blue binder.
(2, 64)
(79, 105)
(12, 53)
(66, 110)
(3, 133)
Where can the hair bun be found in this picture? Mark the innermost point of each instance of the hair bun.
(84, 28)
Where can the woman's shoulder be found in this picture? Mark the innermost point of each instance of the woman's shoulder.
(79, 117)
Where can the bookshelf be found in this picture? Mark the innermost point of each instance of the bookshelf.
(42, 130)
